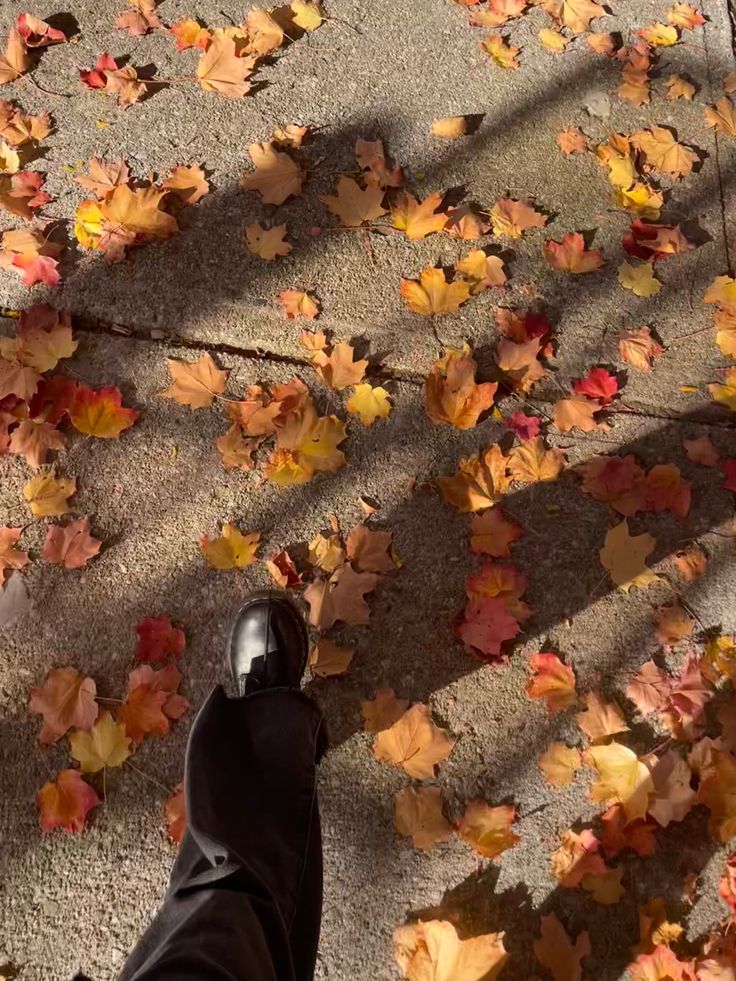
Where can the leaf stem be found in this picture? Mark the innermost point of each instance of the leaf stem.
(153, 780)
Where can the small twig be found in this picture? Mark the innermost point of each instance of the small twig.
(693, 333)
(59, 95)
(153, 780)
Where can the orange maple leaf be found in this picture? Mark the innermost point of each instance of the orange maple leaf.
(64, 700)
(415, 219)
(433, 294)
(221, 70)
(100, 413)
(414, 743)
(70, 546)
(571, 255)
(552, 681)
(451, 394)
(276, 177)
(195, 383)
(488, 829)
(65, 802)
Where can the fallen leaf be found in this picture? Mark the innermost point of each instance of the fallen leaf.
(722, 117)
(481, 271)
(701, 451)
(64, 700)
(276, 177)
(552, 681)
(718, 792)
(663, 964)
(195, 383)
(571, 255)
(231, 549)
(511, 218)
(307, 14)
(618, 833)
(353, 204)
(649, 688)
(339, 369)
(187, 184)
(497, 12)
(571, 140)
(418, 814)
(296, 303)
(576, 858)
(479, 482)
(104, 745)
(621, 775)
(559, 763)
(605, 889)
(662, 153)
(430, 950)
(157, 639)
(533, 461)
(600, 719)
(190, 34)
(639, 279)
(504, 55)
(31, 255)
(691, 562)
(598, 384)
(433, 294)
(623, 556)
(37, 33)
(141, 19)
(14, 61)
(553, 41)
(414, 743)
(100, 413)
(65, 802)
(451, 394)
(175, 814)
(555, 951)
(267, 243)
(685, 16)
(371, 157)
(32, 439)
(221, 70)
(488, 829)
(637, 347)
(369, 551)
(673, 624)
(382, 711)
(341, 597)
(70, 546)
(235, 451)
(603, 44)
(369, 403)
(575, 412)
(679, 88)
(48, 495)
(327, 552)
(327, 659)
(491, 533)
(659, 35)
(283, 571)
(674, 798)
(450, 127)
(575, 14)
(10, 556)
(418, 219)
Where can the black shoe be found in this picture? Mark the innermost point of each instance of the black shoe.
(268, 644)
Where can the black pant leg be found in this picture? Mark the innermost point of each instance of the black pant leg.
(244, 900)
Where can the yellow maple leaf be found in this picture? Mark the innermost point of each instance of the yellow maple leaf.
(640, 198)
(659, 35)
(433, 294)
(621, 775)
(195, 383)
(353, 204)
(188, 184)
(418, 814)
(48, 495)
(532, 461)
(575, 412)
(503, 54)
(306, 445)
(136, 211)
(297, 303)
(623, 556)
(267, 243)
(725, 393)
(418, 219)
(488, 829)
(14, 61)
(722, 292)
(553, 41)
(88, 223)
(105, 744)
(559, 763)
(306, 14)
(369, 403)
(640, 279)
(481, 270)
(221, 70)
(511, 218)
(276, 177)
(231, 549)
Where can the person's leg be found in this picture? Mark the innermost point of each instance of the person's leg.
(244, 901)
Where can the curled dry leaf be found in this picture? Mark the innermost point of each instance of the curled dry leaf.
(414, 743)
(450, 127)
(418, 815)
(283, 571)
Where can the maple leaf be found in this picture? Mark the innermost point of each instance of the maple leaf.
(533, 461)
(195, 383)
(484, 626)
(574, 14)
(603, 44)
(618, 833)
(65, 802)
(433, 294)
(598, 384)
(37, 33)
(701, 451)
(104, 745)
(575, 412)
(511, 218)
(290, 135)
(47, 495)
(70, 546)
(617, 481)
(14, 61)
(430, 950)
(355, 205)
(221, 70)
(571, 255)
(600, 719)
(327, 659)
(679, 88)
(641, 199)
(296, 303)
(33, 438)
(648, 241)
(661, 965)
(674, 798)
(553, 41)
(190, 34)
(382, 711)
(576, 858)
(141, 19)
(283, 571)
(497, 12)
(727, 884)
(231, 549)
(339, 369)
(503, 580)
(418, 219)
(450, 127)
(31, 255)
(691, 562)
(175, 814)
(306, 445)
(623, 776)
(43, 338)
(685, 16)
(10, 556)
(187, 184)
(307, 14)
(370, 157)
(623, 556)
(451, 394)
(267, 243)
(124, 83)
(327, 552)
(662, 153)
(64, 700)
(414, 743)
(166, 680)
(479, 482)
(639, 279)
(725, 322)
(488, 829)
(464, 222)
(722, 117)
(96, 78)
(100, 413)
(659, 35)
(16, 379)
(555, 951)
(276, 177)
(142, 713)
(559, 763)
(341, 597)
(571, 140)
(21, 193)
(418, 814)
(368, 550)
(157, 638)
(718, 792)
(502, 54)
(235, 450)
(481, 270)
(552, 681)
(369, 403)
(637, 346)
(491, 533)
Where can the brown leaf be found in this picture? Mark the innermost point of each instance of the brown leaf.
(414, 743)
(341, 597)
(221, 70)
(195, 383)
(382, 711)
(418, 814)
(369, 550)
(70, 546)
(328, 659)
(64, 700)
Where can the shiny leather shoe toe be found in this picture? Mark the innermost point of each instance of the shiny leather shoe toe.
(268, 644)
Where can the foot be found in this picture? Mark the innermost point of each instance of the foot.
(268, 644)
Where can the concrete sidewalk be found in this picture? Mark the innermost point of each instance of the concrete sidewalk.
(382, 70)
